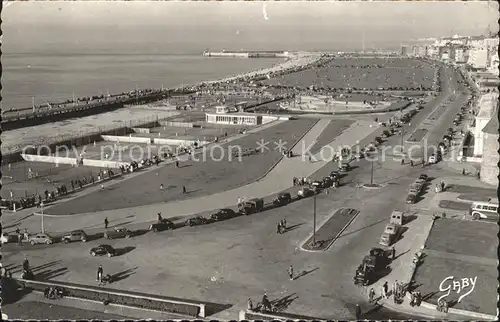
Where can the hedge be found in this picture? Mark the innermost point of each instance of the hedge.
(101, 296)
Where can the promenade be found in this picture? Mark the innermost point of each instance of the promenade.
(278, 179)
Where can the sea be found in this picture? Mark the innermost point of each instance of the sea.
(55, 77)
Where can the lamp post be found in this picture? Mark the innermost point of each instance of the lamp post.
(41, 206)
(314, 221)
(371, 175)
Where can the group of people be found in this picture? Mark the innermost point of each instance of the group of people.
(281, 227)
(415, 298)
(21, 236)
(440, 187)
(301, 181)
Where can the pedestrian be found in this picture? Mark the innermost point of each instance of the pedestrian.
(411, 163)
(442, 185)
(393, 253)
(402, 161)
(102, 186)
(99, 274)
(176, 164)
(290, 272)
(184, 189)
(358, 312)
(239, 202)
(463, 171)
(159, 217)
(412, 299)
(106, 223)
(394, 287)
(19, 238)
(384, 290)
(283, 224)
(371, 295)
(161, 186)
(278, 229)
(478, 174)
(326, 191)
(249, 304)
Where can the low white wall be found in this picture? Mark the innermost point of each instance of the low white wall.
(72, 161)
(177, 124)
(126, 139)
(178, 142)
(267, 119)
(141, 130)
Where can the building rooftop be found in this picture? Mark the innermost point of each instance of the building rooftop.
(487, 105)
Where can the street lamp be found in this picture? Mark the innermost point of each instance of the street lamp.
(41, 206)
(371, 174)
(314, 221)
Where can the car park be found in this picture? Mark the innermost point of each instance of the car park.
(163, 224)
(40, 238)
(251, 206)
(223, 214)
(282, 199)
(195, 221)
(117, 233)
(75, 235)
(305, 192)
(102, 250)
(411, 198)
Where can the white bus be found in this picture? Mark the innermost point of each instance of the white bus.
(484, 210)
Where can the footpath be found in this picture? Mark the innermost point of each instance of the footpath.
(278, 179)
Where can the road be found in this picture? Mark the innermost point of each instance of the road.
(244, 256)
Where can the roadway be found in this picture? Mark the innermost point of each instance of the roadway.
(245, 257)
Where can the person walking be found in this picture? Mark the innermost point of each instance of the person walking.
(358, 312)
(249, 304)
(99, 274)
(283, 224)
(159, 217)
(393, 253)
(239, 202)
(442, 185)
(385, 289)
(106, 223)
(184, 189)
(278, 229)
(290, 272)
(371, 295)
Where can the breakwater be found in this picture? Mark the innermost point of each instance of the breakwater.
(247, 54)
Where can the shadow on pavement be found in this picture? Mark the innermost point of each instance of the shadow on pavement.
(304, 273)
(281, 304)
(124, 274)
(357, 230)
(49, 274)
(293, 227)
(409, 218)
(125, 250)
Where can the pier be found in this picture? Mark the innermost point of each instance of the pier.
(247, 54)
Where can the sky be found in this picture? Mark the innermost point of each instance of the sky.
(88, 26)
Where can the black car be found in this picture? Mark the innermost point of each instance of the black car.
(198, 220)
(164, 224)
(334, 174)
(282, 199)
(223, 214)
(423, 176)
(327, 182)
(411, 198)
(103, 250)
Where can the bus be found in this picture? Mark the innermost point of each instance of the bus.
(484, 210)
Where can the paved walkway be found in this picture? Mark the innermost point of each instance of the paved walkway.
(280, 178)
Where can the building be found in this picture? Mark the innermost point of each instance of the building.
(489, 164)
(494, 65)
(460, 55)
(445, 57)
(422, 51)
(414, 50)
(432, 52)
(487, 107)
(404, 51)
(228, 116)
(478, 58)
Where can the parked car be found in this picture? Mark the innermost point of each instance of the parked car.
(75, 235)
(390, 235)
(103, 250)
(415, 189)
(424, 177)
(433, 159)
(305, 192)
(359, 156)
(117, 233)
(344, 168)
(40, 239)
(8, 238)
(198, 220)
(334, 174)
(411, 198)
(282, 199)
(327, 182)
(251, 206)
(161, 225)
(223, 214)
(317, 184)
